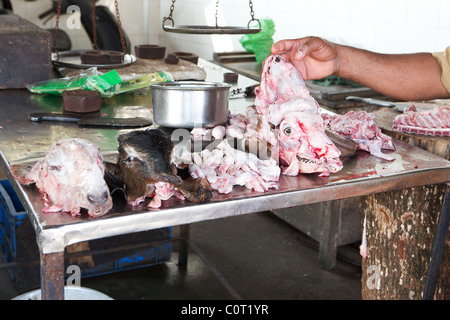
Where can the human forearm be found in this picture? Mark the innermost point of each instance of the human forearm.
(414, 76)
(403, 76)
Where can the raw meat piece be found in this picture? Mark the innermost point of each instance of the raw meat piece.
(361, 128)
(218, 132)
(200, 132)
(363, 246)
(435, 122)
(234, 131)
(280, 82)
(238, 120)
(70, 177)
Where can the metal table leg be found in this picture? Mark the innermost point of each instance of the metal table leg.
(437, 250)
(52, 276)
(328, 242)
(184, 245)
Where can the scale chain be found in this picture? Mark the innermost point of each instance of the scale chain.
(55, 36)
(217, 13)
(94, 25)
(172, 7)
(252, 13)
(122, 40)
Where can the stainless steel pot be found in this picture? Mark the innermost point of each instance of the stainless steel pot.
(190, 104)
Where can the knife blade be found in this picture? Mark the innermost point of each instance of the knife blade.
(396, 106)
(244, 92)
(120, 123)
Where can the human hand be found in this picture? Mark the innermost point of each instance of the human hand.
(314, 57)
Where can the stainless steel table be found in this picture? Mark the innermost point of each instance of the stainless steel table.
(22, 141)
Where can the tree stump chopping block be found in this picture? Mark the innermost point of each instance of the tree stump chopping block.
(401, 226)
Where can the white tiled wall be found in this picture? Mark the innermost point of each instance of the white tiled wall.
(390, 26)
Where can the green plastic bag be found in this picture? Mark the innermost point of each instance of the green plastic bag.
(108, 84)
(260, 43)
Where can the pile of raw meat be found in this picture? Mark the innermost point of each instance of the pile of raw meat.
(225, 167)
(286, 119)
(361, 128)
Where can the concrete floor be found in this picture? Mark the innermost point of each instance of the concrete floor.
(258, 256)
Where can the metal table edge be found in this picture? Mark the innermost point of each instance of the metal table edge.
(56, 238)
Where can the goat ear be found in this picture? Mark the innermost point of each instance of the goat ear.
(113, 168)
(22, 173)
(111, 177)
(121, 138)
(173, 179)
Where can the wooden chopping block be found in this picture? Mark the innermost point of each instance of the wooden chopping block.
(400, 229)
(25, 52)
(183, 70)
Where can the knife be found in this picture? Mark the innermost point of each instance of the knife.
(396, 106)
(119, 123)
(244, 92)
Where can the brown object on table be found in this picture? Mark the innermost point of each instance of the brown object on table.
(187, 56)
(99, 57)
(25, 51)
(94, 57)
(114, 56)
(171, 59)
(149, 51)
(230, 77)
(81, 101)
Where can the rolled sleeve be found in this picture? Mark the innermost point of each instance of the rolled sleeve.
(444, 60)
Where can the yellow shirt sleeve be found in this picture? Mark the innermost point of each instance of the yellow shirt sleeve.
(444, 60)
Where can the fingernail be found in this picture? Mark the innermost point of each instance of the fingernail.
(274, 49)
(299, 54)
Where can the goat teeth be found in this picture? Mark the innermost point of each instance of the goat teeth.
(304, 160)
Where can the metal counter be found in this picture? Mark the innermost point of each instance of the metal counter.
(22, 141)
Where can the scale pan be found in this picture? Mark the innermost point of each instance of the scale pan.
(211, 30)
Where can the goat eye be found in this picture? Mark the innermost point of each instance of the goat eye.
(129, 159)
(55, 168)
(287, 131)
